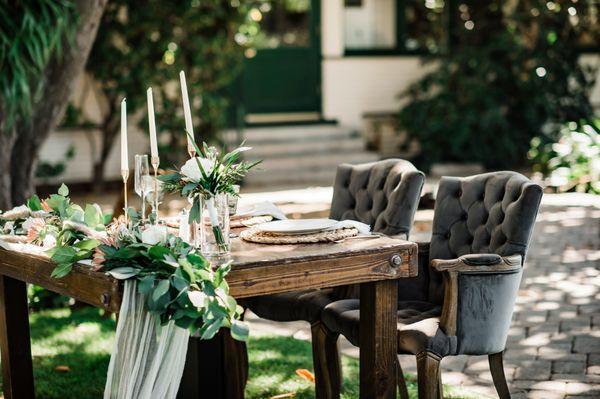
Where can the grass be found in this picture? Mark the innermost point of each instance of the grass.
(81, 342)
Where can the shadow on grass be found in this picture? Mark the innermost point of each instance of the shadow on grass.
(82, 341)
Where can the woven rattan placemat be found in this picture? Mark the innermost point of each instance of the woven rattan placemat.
(261, 237)
(250, 221)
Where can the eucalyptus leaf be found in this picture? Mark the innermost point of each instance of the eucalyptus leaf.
(146, 284)
(63, 255)
(240, 330)
(106, 218)
(194, 215)
(87, 244)
(34, 203)
(61, 270)
(161, 289)
(123, 273)
(158, 252)
(63, 190)
(91, 216)
(209, 330)
(179, 283)
(126, 253)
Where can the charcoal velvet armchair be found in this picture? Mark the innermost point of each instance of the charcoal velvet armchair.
(462, 300)
(384, 195)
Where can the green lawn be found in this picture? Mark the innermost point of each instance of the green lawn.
(82, 341)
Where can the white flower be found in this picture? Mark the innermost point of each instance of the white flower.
(192, 171)
(197, 298)
(154, 235)
(49, 241)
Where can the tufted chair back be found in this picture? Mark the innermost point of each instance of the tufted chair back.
(487, 213)
(383, 194)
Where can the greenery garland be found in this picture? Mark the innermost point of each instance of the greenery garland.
(179, 284)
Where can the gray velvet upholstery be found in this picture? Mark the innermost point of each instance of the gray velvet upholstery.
(485, 308)
(418, 319)
(486, 213)
(478, 219)
(292, 306)
(384, 195)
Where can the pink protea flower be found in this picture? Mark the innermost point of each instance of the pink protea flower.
(34, 227)
(46, 207)
(98, 259)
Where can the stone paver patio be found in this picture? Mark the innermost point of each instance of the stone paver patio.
(553, 350)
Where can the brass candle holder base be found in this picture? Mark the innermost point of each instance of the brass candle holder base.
(155, 160)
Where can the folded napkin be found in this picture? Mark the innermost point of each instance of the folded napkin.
(265, 208)
(348, 224)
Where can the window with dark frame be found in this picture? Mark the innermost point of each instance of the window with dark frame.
(396, 27)
(390, 27)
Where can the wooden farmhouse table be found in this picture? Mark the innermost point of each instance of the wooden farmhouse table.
(374, 263)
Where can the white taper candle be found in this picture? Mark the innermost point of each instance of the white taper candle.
(187, 113)
(152, 124)
(124, 152)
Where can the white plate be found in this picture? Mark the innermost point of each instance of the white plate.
(297, 226)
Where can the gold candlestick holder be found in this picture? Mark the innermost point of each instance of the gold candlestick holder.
(191, 151)
(155, 160)
(125, 175)
(193, 226)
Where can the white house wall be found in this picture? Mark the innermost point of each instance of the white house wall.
(86, 142)
(351, 86)
(355, 85)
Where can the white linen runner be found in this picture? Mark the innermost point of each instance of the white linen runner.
(147, 359)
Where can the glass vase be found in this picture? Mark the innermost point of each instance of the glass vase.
(214, 226)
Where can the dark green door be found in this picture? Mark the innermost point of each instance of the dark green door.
(282, 71)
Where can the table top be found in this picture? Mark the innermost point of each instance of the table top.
(257, 269)
(247, 254)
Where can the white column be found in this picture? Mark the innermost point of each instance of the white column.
(332, 28)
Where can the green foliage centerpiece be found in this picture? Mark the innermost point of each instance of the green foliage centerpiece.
(207, 181)
(178, 283)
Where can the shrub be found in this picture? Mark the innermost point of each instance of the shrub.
(572, 163)
(510, 70)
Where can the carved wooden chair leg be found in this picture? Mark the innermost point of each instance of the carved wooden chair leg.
(327, 362)
(497, 369)
(401, 381)
(428, 371)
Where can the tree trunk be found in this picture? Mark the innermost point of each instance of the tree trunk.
(22, 166)
(46, 113)
(7, 140)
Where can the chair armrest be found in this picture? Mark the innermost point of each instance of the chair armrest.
(479, 295)
(478, 263)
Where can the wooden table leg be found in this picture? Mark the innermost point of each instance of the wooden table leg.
(215, 368)
(15, 343)
(378, 339)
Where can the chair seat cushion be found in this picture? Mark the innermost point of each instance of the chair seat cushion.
(417, 323)
(291, 306)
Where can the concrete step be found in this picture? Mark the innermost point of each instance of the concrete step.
(300, 156)
(308, 169)
(304, 148)
(294, 134)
